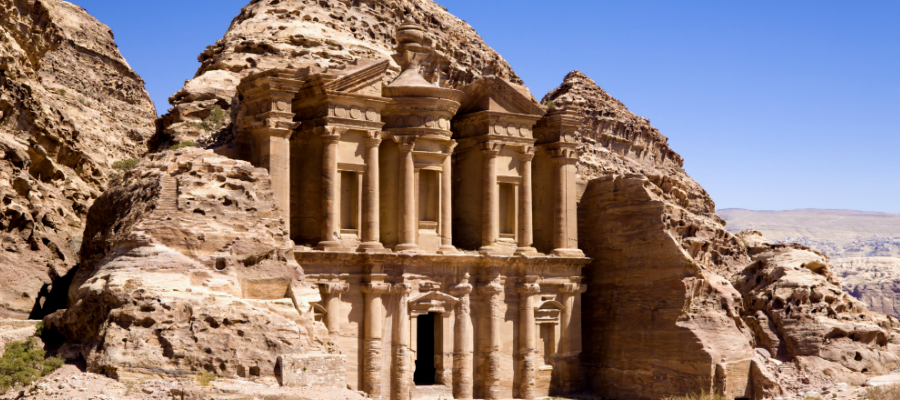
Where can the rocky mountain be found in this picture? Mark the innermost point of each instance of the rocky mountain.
(864, 246)
(321, 34)
(70, 107)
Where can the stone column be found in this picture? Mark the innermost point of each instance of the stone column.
(526, 219)
(408, 228)
(447, 202)
(330, 232)
(332, 296)
(463, 343)
(494, 295)
(402, 370)
(276, 158)
(371, 228)
(490, 215)
(570, 338)
(565, 242)
(527, 336)
(373, 320)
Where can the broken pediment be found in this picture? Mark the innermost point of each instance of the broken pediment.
(498, 95)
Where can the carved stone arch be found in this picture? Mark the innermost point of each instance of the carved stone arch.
(432, 302)
(548, 312)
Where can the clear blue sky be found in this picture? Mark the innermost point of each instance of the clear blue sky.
(773, 104)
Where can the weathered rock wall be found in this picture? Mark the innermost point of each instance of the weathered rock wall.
(657, 321)
(186, 266)
(797, 309)
(271, 34)
(70, 106)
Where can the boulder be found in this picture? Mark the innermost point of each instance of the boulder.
(186, 266)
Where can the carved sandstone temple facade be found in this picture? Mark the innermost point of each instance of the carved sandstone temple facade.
(439, 224)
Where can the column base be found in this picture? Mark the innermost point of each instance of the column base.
(570, 253)
(408, 248)
(372, 247)
(446, 249)
(489, 249)
(527, 251)
(329, 246)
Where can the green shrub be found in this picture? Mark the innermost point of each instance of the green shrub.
(551, 104)
(125, 165)
(39, 329)
(181, 145)
(884, 392)
(214, 122)
(62, 92)
(206, 378)
(23, 363)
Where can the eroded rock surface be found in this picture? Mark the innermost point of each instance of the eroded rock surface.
(292, 34)
(873, 280)
(798, 311)
(186, 266)
(660, 322)
(70, 106)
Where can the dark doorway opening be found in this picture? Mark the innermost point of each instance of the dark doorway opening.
(425, 370)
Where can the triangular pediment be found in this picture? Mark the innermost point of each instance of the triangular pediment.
(432, 297)
(364, 77)
(498, 95)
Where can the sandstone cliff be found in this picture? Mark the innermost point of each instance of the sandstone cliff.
(798, 311)
(186, 266)
(320, 33)
(70, 106)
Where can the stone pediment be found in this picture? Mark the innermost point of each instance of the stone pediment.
(498, 95)
(436, 302)
(364, 78)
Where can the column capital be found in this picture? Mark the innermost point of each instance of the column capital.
(527, 153)
(491, 288)
(564, 154)
(406, 142)
(331, 134)
(375, 288)
(573, 288)
(463, 289)
(450, 146)
(334, 287)
(491, 149)
(403, 288)
(530, 285)
(373, 138)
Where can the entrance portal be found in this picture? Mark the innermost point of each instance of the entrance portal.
(425, 341)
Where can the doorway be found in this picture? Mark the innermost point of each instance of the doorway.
(425, 341)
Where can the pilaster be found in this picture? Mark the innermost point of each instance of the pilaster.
(463, 383)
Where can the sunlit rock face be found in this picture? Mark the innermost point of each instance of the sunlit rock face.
(70, 106)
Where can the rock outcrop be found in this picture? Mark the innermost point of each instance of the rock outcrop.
(873, 280)
(798, 311)
(321, 34)
(70, 106)
(186, 266)
(660, 322)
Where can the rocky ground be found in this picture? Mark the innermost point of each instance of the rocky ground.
(70, 383)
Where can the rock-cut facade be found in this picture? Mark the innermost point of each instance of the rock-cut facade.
(440, 225)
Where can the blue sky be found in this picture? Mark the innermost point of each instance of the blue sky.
(773, 104)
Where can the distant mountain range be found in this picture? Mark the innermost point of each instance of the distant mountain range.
(837, 233)
(864, 246)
